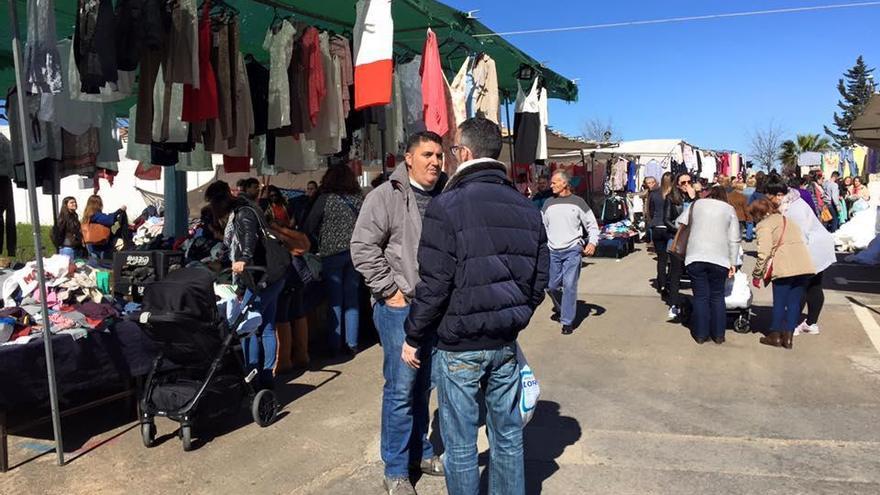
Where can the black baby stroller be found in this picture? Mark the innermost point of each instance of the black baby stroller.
(199, 374)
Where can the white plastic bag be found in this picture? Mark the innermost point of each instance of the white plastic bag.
(530, 389)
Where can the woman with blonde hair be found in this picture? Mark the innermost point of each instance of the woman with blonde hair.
(96, 234)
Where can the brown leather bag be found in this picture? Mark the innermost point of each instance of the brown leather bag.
(295, 242)
(680, 242)
(95, 233)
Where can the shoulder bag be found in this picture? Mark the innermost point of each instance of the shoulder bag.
(680, 241)
(95, 233)
(277, 256)
(767, 276)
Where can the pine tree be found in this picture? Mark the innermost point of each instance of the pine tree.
(856, 89)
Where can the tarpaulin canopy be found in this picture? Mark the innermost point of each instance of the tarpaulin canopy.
(653, 148)
(458, 36)
(866, 128)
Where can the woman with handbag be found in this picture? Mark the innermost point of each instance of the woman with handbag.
(96, 234)
(67, 232)
(676, 202)
(784, 260)
(247, 237)
(330, 225)
(819, 242)
(713, 245)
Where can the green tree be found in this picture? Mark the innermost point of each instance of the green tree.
(790, 149)
(856, 89)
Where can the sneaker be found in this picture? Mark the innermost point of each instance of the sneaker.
(801, 328)
(673, 314)
(567, 330)
(810, 329)
(432, 466)
(399, 486)
(555, 317)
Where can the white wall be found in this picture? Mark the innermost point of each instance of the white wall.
(122, 192)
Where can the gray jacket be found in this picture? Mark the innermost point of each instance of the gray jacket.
(385, 241)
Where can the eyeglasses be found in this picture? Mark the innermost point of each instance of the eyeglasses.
(684, 183)
(455, 148)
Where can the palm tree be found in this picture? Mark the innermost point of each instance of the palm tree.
(790, 149)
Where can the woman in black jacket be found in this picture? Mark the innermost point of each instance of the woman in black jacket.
(243, 234)
(67, 233)
(677, 201)
(659, 232)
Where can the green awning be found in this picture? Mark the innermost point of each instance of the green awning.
(412, 18)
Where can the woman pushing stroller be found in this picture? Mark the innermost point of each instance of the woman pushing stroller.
(244, 235)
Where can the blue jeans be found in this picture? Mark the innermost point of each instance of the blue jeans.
(788, 294)
(707, 281)
(750, 231)
(460, 376)
(565, 270)
(342, 288)
(264, 338)
(405, 396)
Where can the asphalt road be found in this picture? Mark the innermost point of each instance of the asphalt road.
(629, 405)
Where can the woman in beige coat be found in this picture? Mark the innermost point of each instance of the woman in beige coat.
(781, 240)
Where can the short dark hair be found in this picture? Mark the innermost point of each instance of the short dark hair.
(217, 190)
(312, 182)
(482, 137)
(422, 137)
(340, 179)
(718, 192)
(835, 174)
(774, 187)
(761, 208)
(250, 182)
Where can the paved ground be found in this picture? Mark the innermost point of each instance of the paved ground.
(630, 405)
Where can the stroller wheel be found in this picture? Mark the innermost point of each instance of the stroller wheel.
(742, 324)
(186, 437)
(148, 434)
(264, 407)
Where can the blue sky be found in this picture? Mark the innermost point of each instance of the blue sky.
(709, 82)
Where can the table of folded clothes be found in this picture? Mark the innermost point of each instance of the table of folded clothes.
(95, 349)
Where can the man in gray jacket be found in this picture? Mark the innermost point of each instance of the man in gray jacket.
(384, 247)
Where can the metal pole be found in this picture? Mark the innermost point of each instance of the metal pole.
(510, 134)
(384, 153)
(38, 242)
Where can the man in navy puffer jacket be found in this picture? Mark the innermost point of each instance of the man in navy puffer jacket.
(483, 265)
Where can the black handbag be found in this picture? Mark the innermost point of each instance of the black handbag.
(278, 259)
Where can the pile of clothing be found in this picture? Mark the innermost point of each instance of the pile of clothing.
(149, 232)
(621, 229)
(76, 303)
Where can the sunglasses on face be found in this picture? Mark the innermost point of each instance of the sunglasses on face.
(684, 183)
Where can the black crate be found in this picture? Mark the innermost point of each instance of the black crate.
(165, 261)
(128, 264)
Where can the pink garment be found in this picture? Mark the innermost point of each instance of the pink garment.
(434, 87)
(724, 168)
(311, 54)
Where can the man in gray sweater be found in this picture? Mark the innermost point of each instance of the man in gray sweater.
(568, 220)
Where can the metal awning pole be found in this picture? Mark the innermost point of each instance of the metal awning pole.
(38, 242)
(510, 134)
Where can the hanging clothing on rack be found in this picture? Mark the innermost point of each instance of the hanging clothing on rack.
(258, 82)
(200, 104)
(108, 141)
(313, 60)
(168, 124)
(279, 44)
(341, 49)
(74, 116)
(42, 61)
(544, 121)
(458, 93)
(485, 91)
(709, 165)
(374, 49)
(44, 138)
(411, 94)
(94, 43)
(182, 64)
(526, 125)
(434, 87)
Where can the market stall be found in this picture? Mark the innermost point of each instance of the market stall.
(268, 85)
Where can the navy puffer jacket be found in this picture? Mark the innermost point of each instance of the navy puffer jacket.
(483, 263)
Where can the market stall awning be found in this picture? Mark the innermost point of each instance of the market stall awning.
(653, 148)
(458, 35)
(866, 128)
